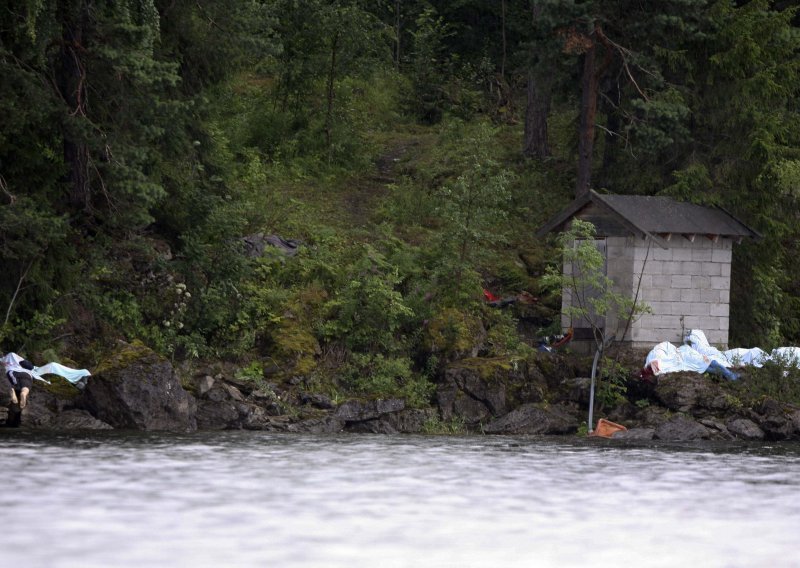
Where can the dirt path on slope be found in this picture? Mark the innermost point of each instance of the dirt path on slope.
(363, 198)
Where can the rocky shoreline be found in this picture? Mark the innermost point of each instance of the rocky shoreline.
(545, 394)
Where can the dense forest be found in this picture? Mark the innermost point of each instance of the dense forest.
(404, 151)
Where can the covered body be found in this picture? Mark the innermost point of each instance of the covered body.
(12, 362)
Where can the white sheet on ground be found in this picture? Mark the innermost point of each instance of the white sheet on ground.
(671, 359)
(741, 356)
(730, 358)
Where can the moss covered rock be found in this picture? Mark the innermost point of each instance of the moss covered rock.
(454, 334)
(478, 389)
(135, 388)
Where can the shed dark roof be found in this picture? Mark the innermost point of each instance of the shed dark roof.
(656, 216)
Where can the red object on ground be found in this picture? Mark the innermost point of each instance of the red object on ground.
(564, 340)
(489, 296)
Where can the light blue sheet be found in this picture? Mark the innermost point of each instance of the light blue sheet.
(11, 362)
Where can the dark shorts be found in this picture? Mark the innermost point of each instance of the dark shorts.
(23, 380)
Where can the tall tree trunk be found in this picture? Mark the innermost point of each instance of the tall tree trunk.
(538, 107)
(611, 144)
(503, 60)
(330, 94)
(71, 81)
(539, 86)
(397, 31)
(589, 87)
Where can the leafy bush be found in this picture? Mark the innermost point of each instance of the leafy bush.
(367, 312)
(502, 337)
(612, 386)
(452, 332)
(437, 426)
(376, 375)
(778, 379)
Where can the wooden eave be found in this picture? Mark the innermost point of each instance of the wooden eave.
(593, 197)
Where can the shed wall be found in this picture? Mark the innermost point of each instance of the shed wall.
(687, 286)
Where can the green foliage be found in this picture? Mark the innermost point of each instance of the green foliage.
(252, 372)
(690, 183)
(611, 388)
(368, 311)
(410, 206)
(778, 379)
(183, 127)
(473, 206)
(452, 332)
(502, 337)
(376, 375)
(437, 427)
(35, 258)
(429, 63)
(661, 124)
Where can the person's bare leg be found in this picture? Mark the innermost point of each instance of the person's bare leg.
(13, 396)
(23, 397)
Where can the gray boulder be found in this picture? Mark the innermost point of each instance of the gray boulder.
(134, 388)
(411, 420)
(693, 393)
(634, 434)
(775, 419)
(535, 419)
(681, 429)
(217, 415)
(78, 420)
(224, 406)
(362, 410)
(479, 389)
(745, 429)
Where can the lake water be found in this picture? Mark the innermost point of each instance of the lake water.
(289, 501)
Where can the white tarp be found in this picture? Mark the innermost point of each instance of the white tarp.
(740, 357)
(699, 356)
(11, 362)
(666, 358)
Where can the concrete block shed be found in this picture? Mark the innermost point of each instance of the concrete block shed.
(676, 255)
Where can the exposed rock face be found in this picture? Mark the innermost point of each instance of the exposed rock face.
(255, 245)
(776, 419)
(377, 416)
(361, 411)
(635, 434)
(477, 390)
(681, 429)
(411, 420)
(692, 393)
(541, 395)
(745, 429)
(222, 405)
(535, 419)
(78, 420)
(135, 388)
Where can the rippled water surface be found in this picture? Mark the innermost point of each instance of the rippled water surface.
(253, 499)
